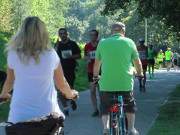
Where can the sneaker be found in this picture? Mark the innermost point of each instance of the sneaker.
(73, 105)
(95, 114)
(66, 112)
(106, 132)
(133, 132)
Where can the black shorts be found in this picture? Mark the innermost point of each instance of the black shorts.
(106, 100)
(151, 62)
(90, 77)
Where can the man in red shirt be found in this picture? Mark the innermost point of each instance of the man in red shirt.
(143, 55)
(89, 53)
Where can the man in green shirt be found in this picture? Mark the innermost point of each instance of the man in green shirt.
(168, 58)
(115, 56)
(160, 58)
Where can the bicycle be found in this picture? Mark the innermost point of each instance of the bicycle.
(118, 124)
(48, 125)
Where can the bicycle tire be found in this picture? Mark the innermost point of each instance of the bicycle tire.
(122, 126)
(114, 124)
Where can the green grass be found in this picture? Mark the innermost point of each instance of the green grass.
(81, 82)
(4, 37)
(168, 122)
(4, 109)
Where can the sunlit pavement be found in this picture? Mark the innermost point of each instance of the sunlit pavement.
(81, 122)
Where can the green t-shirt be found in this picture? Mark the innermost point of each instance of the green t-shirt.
(160, 56)
(168, 55)
(151, 54)
(116, 54)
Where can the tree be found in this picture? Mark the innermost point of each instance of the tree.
(20, 10)
(165, 10)
(5, 15)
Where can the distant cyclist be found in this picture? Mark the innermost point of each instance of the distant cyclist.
(160, 58)
(143, 55)
(89, 52)
(116, 54)
(168, 58)
(151, 61)
(175, 60)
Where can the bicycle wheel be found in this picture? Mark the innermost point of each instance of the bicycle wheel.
(122, 125)
(114, 124)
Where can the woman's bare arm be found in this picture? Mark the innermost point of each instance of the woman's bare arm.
(8, 85)
(62, 84)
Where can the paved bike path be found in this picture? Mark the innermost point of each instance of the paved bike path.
(81, 122)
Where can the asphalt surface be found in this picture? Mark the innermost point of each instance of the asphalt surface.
(80, 122)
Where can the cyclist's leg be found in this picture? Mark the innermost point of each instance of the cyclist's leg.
(130, 108)
(105, 104)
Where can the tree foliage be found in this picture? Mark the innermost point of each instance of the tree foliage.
(5, 15)
(167, 11)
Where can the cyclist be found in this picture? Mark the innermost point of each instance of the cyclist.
(89, 52)
(151, 61)
(143, 54)
(168, 58)
(160, 58)
(116, 55)
(68, 52)
(32, 68)
(175, 60)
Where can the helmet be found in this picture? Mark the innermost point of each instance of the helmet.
(141, 40)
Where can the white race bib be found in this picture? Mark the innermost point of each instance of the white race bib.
(66, 54)
(92, 54)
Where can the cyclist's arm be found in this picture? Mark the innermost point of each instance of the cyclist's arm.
(97, 66)
(61, 83)
(138, 66)
(8, 85)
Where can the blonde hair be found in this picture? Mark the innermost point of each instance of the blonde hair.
(31, 40)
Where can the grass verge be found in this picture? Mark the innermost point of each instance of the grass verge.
(81, 82)
(168, 121)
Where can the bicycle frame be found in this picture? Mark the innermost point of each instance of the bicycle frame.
(122, 116)
(117, 118)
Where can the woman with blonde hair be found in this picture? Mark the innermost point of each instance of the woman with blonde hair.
(33, 71)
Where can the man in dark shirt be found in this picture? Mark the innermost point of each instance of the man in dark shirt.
(143, 55)
(68, 52)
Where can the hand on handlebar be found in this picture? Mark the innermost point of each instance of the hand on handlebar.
(73, 95)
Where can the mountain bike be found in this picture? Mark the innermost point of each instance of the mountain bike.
(118, 123)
